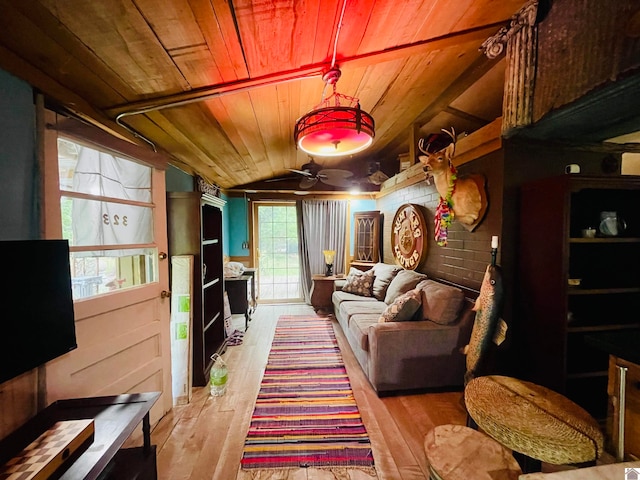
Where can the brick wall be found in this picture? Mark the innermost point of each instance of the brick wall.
(467, 254)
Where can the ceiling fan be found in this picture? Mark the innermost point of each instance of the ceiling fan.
(312, 173)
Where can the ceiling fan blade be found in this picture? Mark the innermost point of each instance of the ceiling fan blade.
(378, 177)
(306, 183)
(301, 172)
(336, 177)
(280, 179)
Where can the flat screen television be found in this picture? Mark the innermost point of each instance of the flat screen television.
(37, 322)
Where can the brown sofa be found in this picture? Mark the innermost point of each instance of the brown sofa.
(401, 350)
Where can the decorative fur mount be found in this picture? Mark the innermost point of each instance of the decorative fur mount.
(465, 197)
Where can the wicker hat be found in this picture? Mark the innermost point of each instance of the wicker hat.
(533, 420)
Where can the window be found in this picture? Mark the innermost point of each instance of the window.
(279, 260)
(107, 216)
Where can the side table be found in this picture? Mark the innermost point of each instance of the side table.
(254, 294)
(321, 291)
(115, 419)
(239, 293)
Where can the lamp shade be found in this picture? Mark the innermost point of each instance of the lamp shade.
(334, 131)
(329, 256)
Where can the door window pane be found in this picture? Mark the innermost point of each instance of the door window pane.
(107, 216)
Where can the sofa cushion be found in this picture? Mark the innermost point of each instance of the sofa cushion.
(404, 281)
(359, 328)
(402, 308)
(440, 303)
(359, 282)
(343, 296)
(383, 273)
(348, 309)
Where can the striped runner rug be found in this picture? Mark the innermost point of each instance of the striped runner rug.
(305, 414)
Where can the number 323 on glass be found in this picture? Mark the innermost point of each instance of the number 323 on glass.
(114, 219)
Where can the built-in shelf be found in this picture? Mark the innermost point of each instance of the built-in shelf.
(581, 375)
(597, 240)
(603, 328)
(602, 291)
(195, 228)
(557, 317)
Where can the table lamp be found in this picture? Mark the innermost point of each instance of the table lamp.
(329, 255)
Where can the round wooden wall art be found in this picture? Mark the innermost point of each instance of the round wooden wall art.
(409, 236)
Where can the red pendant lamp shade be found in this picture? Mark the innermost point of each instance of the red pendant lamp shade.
(334, 130)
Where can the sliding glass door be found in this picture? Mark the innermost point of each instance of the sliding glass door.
(278, 252)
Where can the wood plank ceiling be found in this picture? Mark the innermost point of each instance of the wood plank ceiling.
(218, 85)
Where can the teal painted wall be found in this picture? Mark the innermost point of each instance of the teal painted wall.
(358, 206)
(226, 237)
(238, 228)
(178, 181)
(19, 184)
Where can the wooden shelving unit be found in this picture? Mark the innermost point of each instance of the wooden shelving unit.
(195, 228)
(556, 317)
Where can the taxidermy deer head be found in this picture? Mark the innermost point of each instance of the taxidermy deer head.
(462, 199)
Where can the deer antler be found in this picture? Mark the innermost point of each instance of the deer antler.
(452, 134)
(423, 146)
(423, 150)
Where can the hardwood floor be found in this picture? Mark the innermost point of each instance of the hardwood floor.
(204, 440)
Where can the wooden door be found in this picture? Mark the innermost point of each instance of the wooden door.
(123, 336)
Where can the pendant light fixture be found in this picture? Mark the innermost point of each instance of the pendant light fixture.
(337, 126)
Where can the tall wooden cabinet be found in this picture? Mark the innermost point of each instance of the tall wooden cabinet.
(367, 239)
(555, 316)
(195, 228)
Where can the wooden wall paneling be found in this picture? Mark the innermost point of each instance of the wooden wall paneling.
(197, 65)
(261, 50)
(145, 70)
(441, 19)
(386, 17)
(354, 27)
(484, 98)
(240, 110)
(84, 73)
(349, 83)
(303, 54)
(289, 97)
(383, 72)
(268, 128)
(218, 28)
(18, 401)
(174, 22)
(396, 104)
(444, 93)
(189, 150)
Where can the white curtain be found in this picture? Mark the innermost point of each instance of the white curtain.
(98, 222)
(323, 227)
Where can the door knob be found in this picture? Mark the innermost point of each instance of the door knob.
(162, 256)
(165, 294)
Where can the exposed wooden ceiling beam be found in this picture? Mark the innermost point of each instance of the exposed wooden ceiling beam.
(200, 94)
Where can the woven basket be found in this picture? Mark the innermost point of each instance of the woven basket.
(533, 420)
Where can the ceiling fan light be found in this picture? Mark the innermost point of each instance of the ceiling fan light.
(334, 131)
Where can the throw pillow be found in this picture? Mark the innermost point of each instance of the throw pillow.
(404, 281)
(359, 283)
(383, 274)
(441, 303)
(403, 308)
